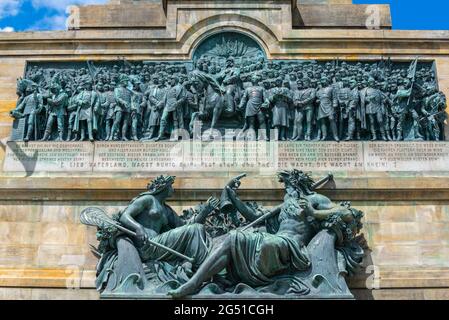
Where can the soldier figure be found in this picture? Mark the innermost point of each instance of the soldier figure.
(252, 101)
(191, 104)
(433, 110)
(353, 106)
(100, 112)
(72, 110)
(387, 105)
(374, 96)
(29, 107)
(108, 106)
(138, 103)
(401, 108)
(303, 102)
(57, 111)
(343, 98)
(392, 122)
(122, 109)
(155, 106)
(328, 102)
(230, 78)
(147, 89)
(308, 102)
(87, 102)
(280, 99)
(373, 106)
(174, 98)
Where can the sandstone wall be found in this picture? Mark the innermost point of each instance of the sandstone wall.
(42, 244)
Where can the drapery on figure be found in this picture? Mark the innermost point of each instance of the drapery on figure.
(303, 247)
(29, 106)
(304, 100)
(125, 262)
(308, 245)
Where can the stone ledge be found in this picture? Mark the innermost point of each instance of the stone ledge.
(138, 35)
(88, 194)
(147, 44)
(47, 278)
(9, 293)
(389, 278)
(402, 294)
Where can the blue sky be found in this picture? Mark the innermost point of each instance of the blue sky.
(416, 14)
(32, 15)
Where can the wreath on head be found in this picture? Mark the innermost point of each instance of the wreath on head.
(160, 184)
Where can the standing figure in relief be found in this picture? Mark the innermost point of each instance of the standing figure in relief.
(230, 79)
(353, 106)
(122, 110)
(155, 103)
(72, 111)
(433, 109)
(56, 111)
(87, 102)
(174, 98)
(404, 110)
(29, 107)
(138, 103)
(252, 100)
(304, 103)
(100, 112)
(373, 105)
(280, 99)
(328, 102)
(298, 113)
(109, 106)
(343, 98)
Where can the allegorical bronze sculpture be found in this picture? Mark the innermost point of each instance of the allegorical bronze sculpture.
(303, 248)
(231, 85)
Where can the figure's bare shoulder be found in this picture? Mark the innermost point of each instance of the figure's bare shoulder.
(320, 202)
(144, 201)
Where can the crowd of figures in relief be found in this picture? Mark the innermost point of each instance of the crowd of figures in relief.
(304, 247)
(231, 86)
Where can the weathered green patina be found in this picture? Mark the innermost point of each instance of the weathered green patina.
(231, 85)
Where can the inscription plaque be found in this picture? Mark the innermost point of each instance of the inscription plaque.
(137, 157)
(48, 157)
(216, 156)
(403, 156)
(321, 156)
(183, 156)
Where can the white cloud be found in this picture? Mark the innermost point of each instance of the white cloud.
(54, 22)
(61, 5)
(7, 29)
(9, 8)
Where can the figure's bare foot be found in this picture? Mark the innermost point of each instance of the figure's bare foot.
(182, 291)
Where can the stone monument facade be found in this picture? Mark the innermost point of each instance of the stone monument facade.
(206, 90)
